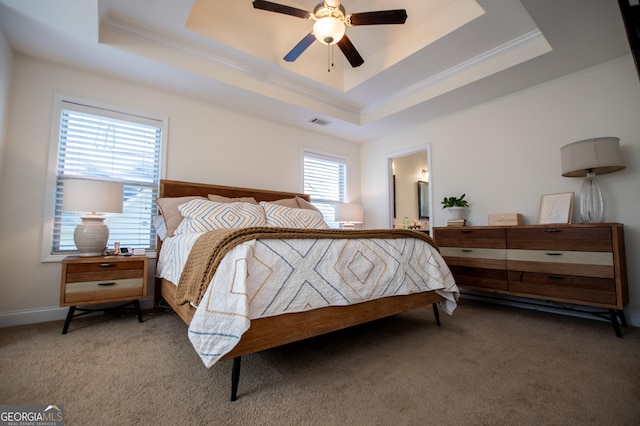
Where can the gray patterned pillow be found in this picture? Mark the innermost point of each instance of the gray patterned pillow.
(205, 215)
(287, 217)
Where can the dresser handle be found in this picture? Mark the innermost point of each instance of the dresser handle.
(553, 230)
(466, 250)
(109, 283)
(107, 265)
(553, 254)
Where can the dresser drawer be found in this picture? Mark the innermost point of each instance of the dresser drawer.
(561, 238)
(475, 257)
(566, 288)
(470, 237)
(480, 278)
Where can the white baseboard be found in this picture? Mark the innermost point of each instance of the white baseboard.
(34, 316)
(632, 317)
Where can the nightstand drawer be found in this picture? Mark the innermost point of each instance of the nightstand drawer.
(104, 289)
(105, 270)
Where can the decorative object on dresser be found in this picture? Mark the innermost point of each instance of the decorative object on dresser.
(456, 209)
(505, 219)
(588, 158)
(100, 280)
(580, 264)
(556, 208)
(85, 195)
(349, 214)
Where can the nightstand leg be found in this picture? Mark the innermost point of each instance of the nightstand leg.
(67, 321)
(136, 303)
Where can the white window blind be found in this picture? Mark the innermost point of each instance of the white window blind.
(108, 145)
(325, 180)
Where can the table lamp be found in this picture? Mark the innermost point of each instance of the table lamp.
(83, 195)
(348, 214)
(588, 158)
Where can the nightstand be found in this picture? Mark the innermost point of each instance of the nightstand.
(94, 280)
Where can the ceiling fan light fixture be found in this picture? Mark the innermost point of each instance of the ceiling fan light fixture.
(329, 30)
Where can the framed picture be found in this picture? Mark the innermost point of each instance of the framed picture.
(556, 208)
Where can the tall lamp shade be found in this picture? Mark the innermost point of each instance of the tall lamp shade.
(348, 214)
(588, 158)
(83, 195)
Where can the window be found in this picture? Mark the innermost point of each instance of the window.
(104, 144)
(325, 179)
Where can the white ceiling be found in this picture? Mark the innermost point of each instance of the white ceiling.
(450, 54)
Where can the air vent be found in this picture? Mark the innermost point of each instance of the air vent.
(319, 121)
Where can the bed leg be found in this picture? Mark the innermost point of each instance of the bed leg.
(436, 313)
(235, 378)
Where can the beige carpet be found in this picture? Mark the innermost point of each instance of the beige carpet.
(486, 365)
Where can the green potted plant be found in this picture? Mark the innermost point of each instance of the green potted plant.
(456, 206)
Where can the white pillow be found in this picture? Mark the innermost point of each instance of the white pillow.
(205, 215)
(287, 217)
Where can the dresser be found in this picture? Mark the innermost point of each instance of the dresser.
(582, 264)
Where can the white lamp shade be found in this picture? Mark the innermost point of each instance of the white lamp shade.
(600, 154)
(329, 30)
(82, 195)
(349, 213)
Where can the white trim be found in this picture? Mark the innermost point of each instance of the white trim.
(632, 317)
(408, 151)
(35, 316)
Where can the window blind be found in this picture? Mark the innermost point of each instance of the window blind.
(325, 181)
(108, 145)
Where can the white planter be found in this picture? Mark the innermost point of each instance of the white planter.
(456, 213)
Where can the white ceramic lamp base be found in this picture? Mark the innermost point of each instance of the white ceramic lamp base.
(91, 236)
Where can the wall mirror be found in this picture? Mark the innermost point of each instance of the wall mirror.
(410, 188)
(423, 200)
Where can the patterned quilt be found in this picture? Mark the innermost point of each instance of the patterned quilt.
(271, 275)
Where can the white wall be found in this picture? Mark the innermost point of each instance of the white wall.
(6, 62)
(506, 153)
(206, 143)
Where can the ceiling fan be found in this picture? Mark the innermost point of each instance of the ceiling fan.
(330, 25)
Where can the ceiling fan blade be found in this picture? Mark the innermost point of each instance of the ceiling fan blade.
(300, 47)
(279, 8)
(382, 17)
(350, 52)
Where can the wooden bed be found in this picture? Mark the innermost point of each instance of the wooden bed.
(274, 331)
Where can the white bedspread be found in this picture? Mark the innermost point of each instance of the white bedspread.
(261, 278)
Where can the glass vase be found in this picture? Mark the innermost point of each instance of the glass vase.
(591, 200)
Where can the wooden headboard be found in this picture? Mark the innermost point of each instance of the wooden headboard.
(173, 188)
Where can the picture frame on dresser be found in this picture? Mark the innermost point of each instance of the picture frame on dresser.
(555, 208)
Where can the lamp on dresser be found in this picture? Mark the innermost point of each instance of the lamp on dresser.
(84, 195)
(588, 158)
(348, 214)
